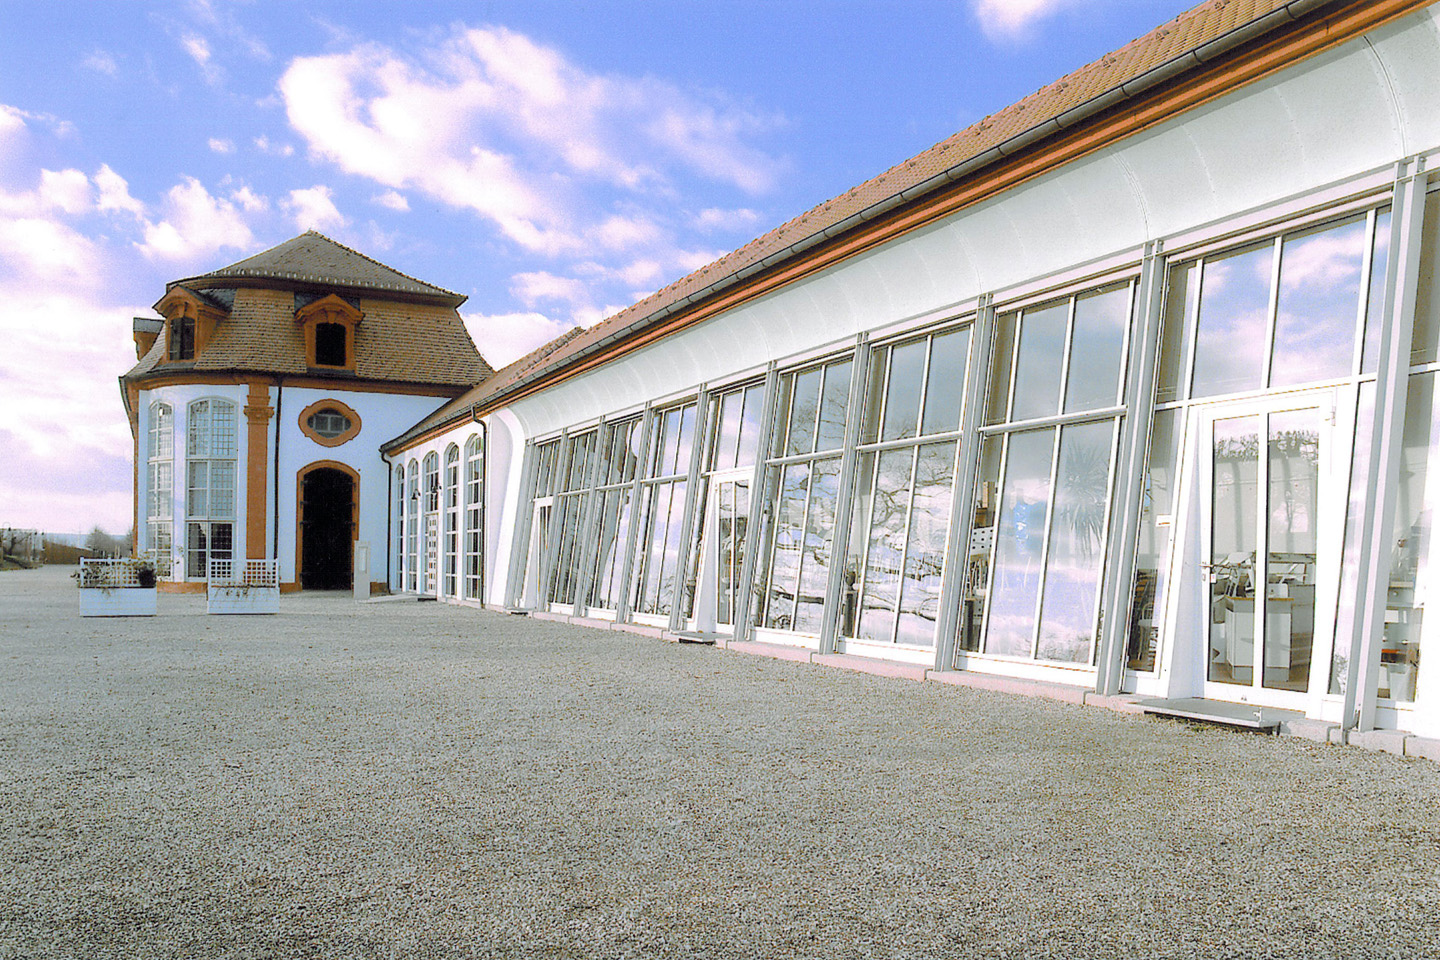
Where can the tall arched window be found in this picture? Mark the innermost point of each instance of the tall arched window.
(160, 487)
(450, 585)
(412, 527)
(430, 539)
(474, 507)
(210, 451)
(397, 537)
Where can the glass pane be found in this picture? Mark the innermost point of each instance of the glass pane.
(1379, 260)
(1356, 507)
(902, 400)
(1234, 313)
(819, 539)
(733, 522)
(727, 430)
(1097, 349)
(804, 401)
(749, 440)
(1019, 540)
(613, 541)
(945, 388)
(686, 440)
(1292, 508)
(1077, 545)
(885, 550)
(1318, 304)
(1152, 557)
(1236, 454)
(785, 556)
(833, 402)
(925, 546)
(997, 398)
(1425, 342)
(982, 541)
(1037, 366)
(1409, 560)
(1175, 335)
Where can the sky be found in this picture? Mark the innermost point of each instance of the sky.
(553, 160)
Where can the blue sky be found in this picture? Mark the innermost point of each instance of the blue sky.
(554, 161)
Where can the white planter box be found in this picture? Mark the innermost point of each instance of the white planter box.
(111, 588)
(117, 601)
(243, 586)
(238, 598)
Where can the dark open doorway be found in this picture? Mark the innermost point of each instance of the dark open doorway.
(327, 506)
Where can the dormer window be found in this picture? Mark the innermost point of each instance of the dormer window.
(191, 320)
(330, 345)
(329, 324)
(182, 338)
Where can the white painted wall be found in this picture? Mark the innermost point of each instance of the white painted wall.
(382, 416)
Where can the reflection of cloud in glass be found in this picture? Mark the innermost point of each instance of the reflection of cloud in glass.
(1324, 260)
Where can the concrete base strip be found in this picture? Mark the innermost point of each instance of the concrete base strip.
(1015, 685)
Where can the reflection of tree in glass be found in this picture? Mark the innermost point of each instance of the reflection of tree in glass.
(1080, 496)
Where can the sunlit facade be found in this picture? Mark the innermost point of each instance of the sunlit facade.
(1154, 417)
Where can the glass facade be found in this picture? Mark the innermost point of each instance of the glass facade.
(903, 495)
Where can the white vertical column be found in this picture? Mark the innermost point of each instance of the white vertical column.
(1402, 274)
(1134, 444)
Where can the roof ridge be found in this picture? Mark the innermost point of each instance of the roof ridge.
(378, 263)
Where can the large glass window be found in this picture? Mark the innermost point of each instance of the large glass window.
(1042, 496)
(210, 454)
(474, 517)
(450, 584)
(662, 510)
(1299, 308)
(412, 527)
(620, 459)
(732, 439)
(803, 492)
(901, 512)
(160, 486)
(567, 520)
(1296, 309)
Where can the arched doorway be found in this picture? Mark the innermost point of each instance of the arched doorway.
(327, 518)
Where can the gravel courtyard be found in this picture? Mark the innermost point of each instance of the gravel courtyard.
(407, 779)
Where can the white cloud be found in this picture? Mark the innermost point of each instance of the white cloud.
(393, 200)
(505, 338)
(714, 219)
(115, 193)
(219, 145)
(199, 50)
(101, 62)
(196, 224)
(540, 287)
(1011, 19)
(495, 123)
(313, 208)
(264, 145)
(249, 200)
(46, 250)
(12, 120)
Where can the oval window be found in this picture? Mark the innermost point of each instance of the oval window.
(329, 423)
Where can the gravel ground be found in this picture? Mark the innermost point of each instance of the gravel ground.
(414, 780)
